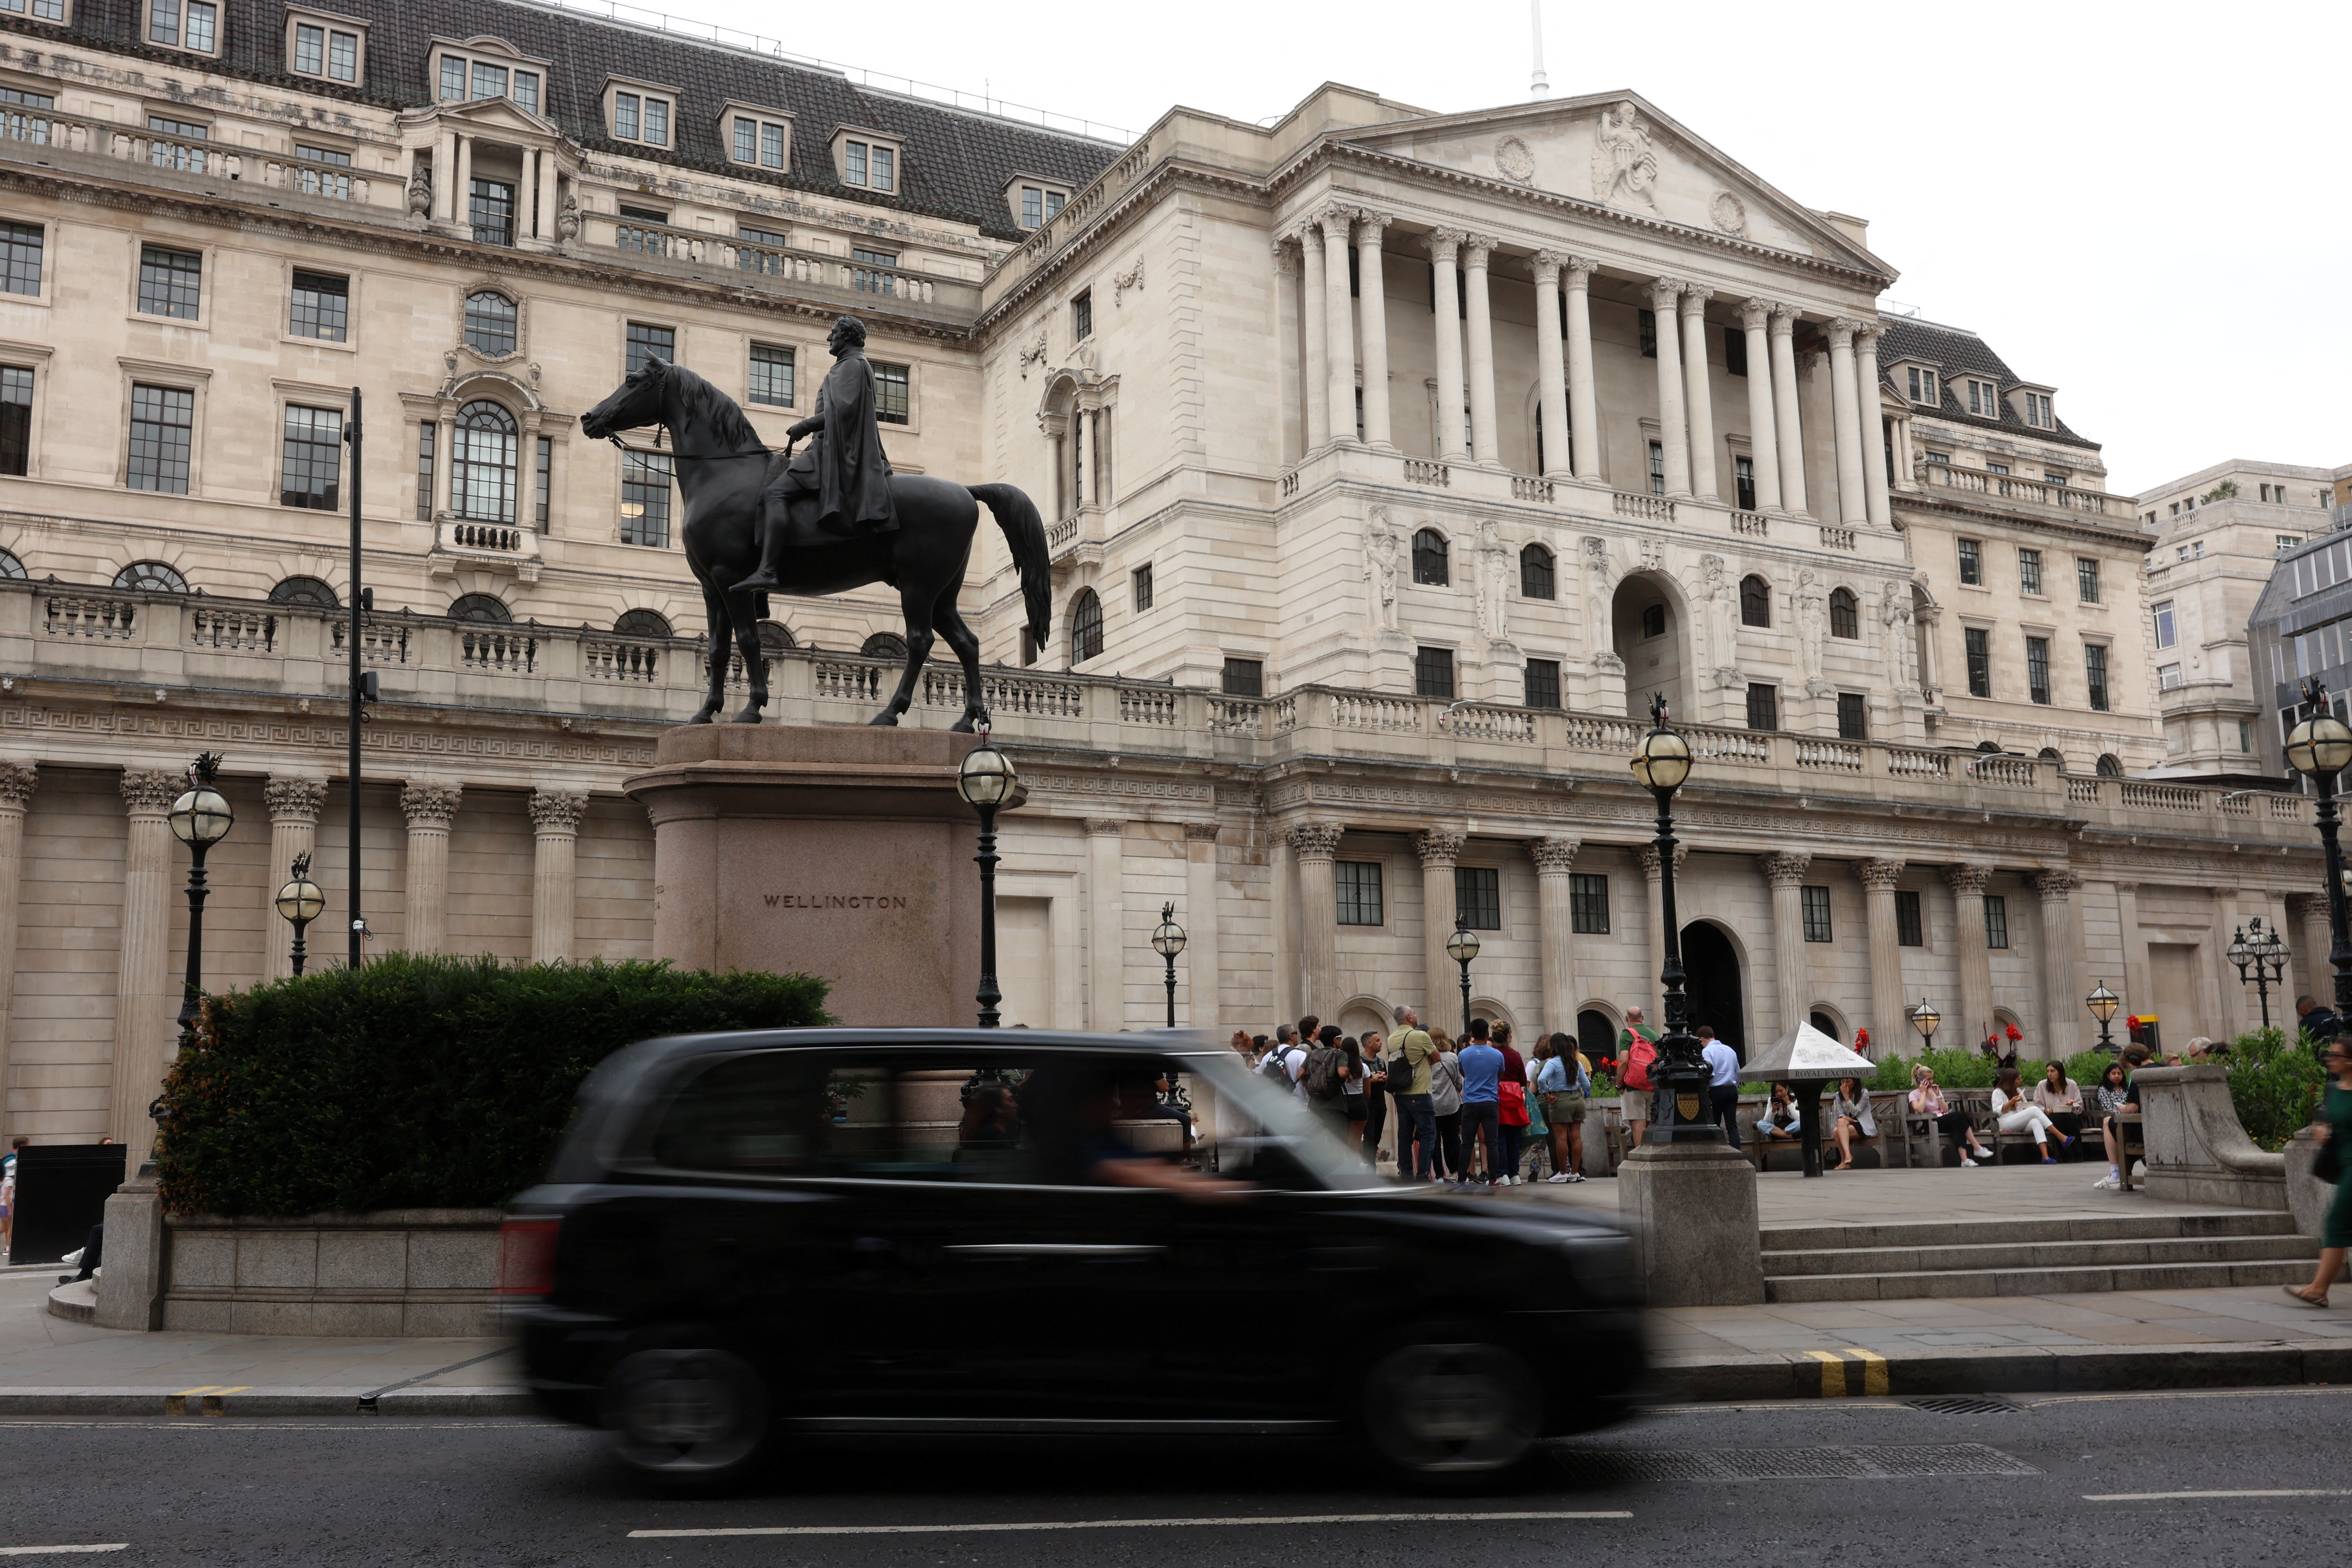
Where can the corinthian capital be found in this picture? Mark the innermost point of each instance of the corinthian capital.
(2055, 882)
(1968, 879)
(1315, 840)
(557, 810)
(150, 791)
(1553, 856)
(1756, 314)
(1369, 225)
(1336, 221)
(1842, 331)
(1476, 248)
(17, 782)
(1650, 862)
(1445, 243)
(294, 800)
(1546, 266)
(1665, 293)
(1438, 846)
(1694, 300)
(1284, 248)
(430, 805)
(1785, 869)
(1879, 875)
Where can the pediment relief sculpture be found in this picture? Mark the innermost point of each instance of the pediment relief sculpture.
(1624, 166)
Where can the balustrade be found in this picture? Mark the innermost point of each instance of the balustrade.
(513, 653)
(631, 661)
(381, 642)
(1525, 488)
(2009, 486)
(105, 619)
(1750, 524)
(209, 628)
(1425, 471)
(1641, 507)
(1148, 706)
(1829, 756)
(1492, 724)
(1836, 538)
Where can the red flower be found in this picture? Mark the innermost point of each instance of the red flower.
(2013, 1035)
(1860, 1039)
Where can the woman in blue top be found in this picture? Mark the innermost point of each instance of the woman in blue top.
(1562, 1082)
(2336, 1132)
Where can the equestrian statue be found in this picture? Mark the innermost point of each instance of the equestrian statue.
(830, 519)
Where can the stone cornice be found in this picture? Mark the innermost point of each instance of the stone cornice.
(1955, 504)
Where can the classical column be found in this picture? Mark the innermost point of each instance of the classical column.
(545, 214)
(1650, 994)
(1290, 435)
(1440, 975)
(2137, 985)
(445, 173)
(461, 208)
(1764, 446)
(143, 1003)
(1484, 446)
(1785, 871)
(1887, 1021)
(1282, 867)
(554, 883)
(1552, 376)
(1315, 844)
(430, 808)
(17, 782)
(1557, 917)
(1583, 401)
(1339, 325)
(2310, 939)
(2062, 985)
(1786, 424)
(1873, 424)
(294, 807)
(1698, 394)
(1318, 322)
(1850, 507)
(1106, 963)
(1967, 884)
(1371, 309)
(1665, 295)
(1445, 244)
(1204, 966)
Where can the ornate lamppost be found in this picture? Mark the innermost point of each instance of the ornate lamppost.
(200, 819)
(2320, 748)
(300, 901)
(1660, 764)
(986, 780)
(2102, 1004)
(1462, 947)
(1168, 941)
(1924, 1018)
(2259, 948)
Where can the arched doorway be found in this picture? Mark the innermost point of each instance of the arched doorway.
(1649, 636)
(1596, 1037)
(1711, 980)
(1828, 1025)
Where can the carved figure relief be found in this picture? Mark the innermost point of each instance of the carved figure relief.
(1812, 623)
(1653, 555)
(1902, 643)
(1727, 213)
(1600, 601)
(1514, 161)
(1493, 582)
(1624, 169)
(1033, 353)
(567, 220)
(1718, 604)
(1381, 552)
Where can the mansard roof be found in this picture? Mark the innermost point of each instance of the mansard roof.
(1956, 351)
(957, 161)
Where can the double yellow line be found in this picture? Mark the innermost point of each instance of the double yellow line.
(1837, 1372)
(208, 1397)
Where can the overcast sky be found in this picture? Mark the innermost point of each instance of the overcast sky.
(2144, 205)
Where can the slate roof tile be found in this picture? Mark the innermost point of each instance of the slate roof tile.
(1957, 352)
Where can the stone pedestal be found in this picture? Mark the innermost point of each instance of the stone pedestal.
(131, 1282)
(1693, 1210)
(844, 853)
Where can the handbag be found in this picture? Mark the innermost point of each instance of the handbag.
(2326, 1163)
(1513, 1098)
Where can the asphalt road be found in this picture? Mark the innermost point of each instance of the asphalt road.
(2147, 1481)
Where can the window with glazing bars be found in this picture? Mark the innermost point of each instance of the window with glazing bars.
(1358, 884)
(453, 79)
(1588, 904)
(490, 80)
(1478, 897)
(1430, 564)
(2028, 571)
(18, 119)
(482, 464)
(491, 210)
(1909, 931)
(20, 257)
(546, 480)
(890, 405)
(1854, 717)
(333, 181)
(1971, 562)
(648, 342)
(311, 457)
(163, 438)
(2086, 579)
(171, 282)
(1978, 642)
(1657, 469)
(645, 498)
(322, 307)
(1433, 673)
(15, 419)
(2037, 669)
(1139, 584)
(1244, 677)
(772, 376)
(2095, 670)
(427, 434)
(1996, 920)
(1763, 706)
(1542, 683)
(1815, 902)
(752, 259)
(310, 49)
(1539, 574)
(865, 272)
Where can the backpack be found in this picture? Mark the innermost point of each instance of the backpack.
(1272, 1067)
(1638, 1057)
(1321, 1073)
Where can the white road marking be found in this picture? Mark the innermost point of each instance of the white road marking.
(2168, 1497)
(53, 1550)
(1120, 1524)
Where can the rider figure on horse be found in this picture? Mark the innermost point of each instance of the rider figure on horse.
(844, 468)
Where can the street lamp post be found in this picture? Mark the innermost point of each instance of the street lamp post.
(2320, 748)
(2102, 1004)
(1924, 1018)
(200, 819)
(1462, 947)
(1168, 941)
(300, 901)
(986, 780)
(2259, 949)
(1660, 764)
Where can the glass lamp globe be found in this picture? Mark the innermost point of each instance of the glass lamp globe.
(1168, 940)
(2320, 747)
(985, 777)
(2102, 1004)
(1463, 945)
(1663, 762)
(1924, 1018)
(301, 900)
(2239, 948)
(201, 816)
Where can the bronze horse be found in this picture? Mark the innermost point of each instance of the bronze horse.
(721, 465)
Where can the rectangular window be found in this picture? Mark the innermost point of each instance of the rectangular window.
(2058, 479)
(1588, 904)
(753, 261)
(204, 25)
(1657, 469)
(15, 124)
(1996, 920)
(1541, 683)
(644, 499)
(2086, 579)
(20, 257)
(2167, 677)
(426, 433)
(15, 419)
(772, 145)
(886, 169)
(1359, 892)
(1244, 677)
(526, 89)
(1763, 706)
(1815, 902)
(772, 376)
(2029, 572)
(1944, 457)
(2164, 628)
(1140, 582)
(2287, 541)
(1923, 388)
(171, 282)
(310, 49)
(1648, 323)
(322, 307)
(1984, 400)
(852, 162)
(657, 122)
(2245, 736)
(1909, 929)
(891, 405)
(545, 486)
(164, 22)
(1743, 482)
(1979, 646)
(1033, 207)
(2037, 669)
(162, 432)
(2094, 672)
(2037, 412)
(746, 140)
(310, 461)
(343, 56)
(1734, 350)
(490, 80)
(1433, 673)
(624, 116)
(1854, 717)
(178, 144)
(453, 79)
(1972, 563)
(1478, 897)
(334, 180)
(650, 342)
(490, 209)
(1082, 316)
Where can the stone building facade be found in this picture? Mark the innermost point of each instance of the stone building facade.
(1393, 460)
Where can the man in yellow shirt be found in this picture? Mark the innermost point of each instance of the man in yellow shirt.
(1410, 1052)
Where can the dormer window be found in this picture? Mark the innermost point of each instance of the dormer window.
(640, 113)
(39, 10)
(1984, 400)
(1036, 205)
(192, 24)
(2037, 412)
(759, 138)
(462, 76)
(1924, 387)
(321, 44)
(866, 161)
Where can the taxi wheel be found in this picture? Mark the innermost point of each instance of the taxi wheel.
(1456, 1414)
(689, 1420)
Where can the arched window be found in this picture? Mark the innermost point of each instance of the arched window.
(643, 624)
(480, 607)
(151, 577)
(1989, 748)
(12, 569)
(482, 473)
(1086, 626)
(1428, 558)
(1755, 602)
(307, 591)
(1538, 578)
(885, 644)
(2051, 754)
(1845, 614)
(1653, 620)
(490, 320)
(776, 638)
(2108, 767)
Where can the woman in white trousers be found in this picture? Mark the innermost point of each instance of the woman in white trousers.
(2012, 1112)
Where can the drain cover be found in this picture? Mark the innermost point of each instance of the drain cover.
(1620, 1466)
(1965, 1404)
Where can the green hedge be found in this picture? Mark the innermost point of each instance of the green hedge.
(419, 1082)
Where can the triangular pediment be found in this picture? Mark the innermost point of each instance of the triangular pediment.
(1617, 151)
(497, 114)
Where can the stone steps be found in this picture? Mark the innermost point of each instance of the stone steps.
(2033, 1281)
(1977, 1259)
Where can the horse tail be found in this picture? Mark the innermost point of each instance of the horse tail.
(1024, 532)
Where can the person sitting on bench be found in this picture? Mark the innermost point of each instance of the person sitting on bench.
(2013, 1113)
(1779, 1119)
(1928, 1101)
(1849, 1119)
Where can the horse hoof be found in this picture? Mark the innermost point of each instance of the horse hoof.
(748, 716)
(886, 720)
(960, 727)
(704, 717)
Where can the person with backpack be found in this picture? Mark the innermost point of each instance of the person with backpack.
(1323, 1082)
(1511, 1103)
(1445, 1105)
(1637, 1049)
(1376, 1096)
(1411, 1054)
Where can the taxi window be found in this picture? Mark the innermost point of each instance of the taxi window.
(756, 1114)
